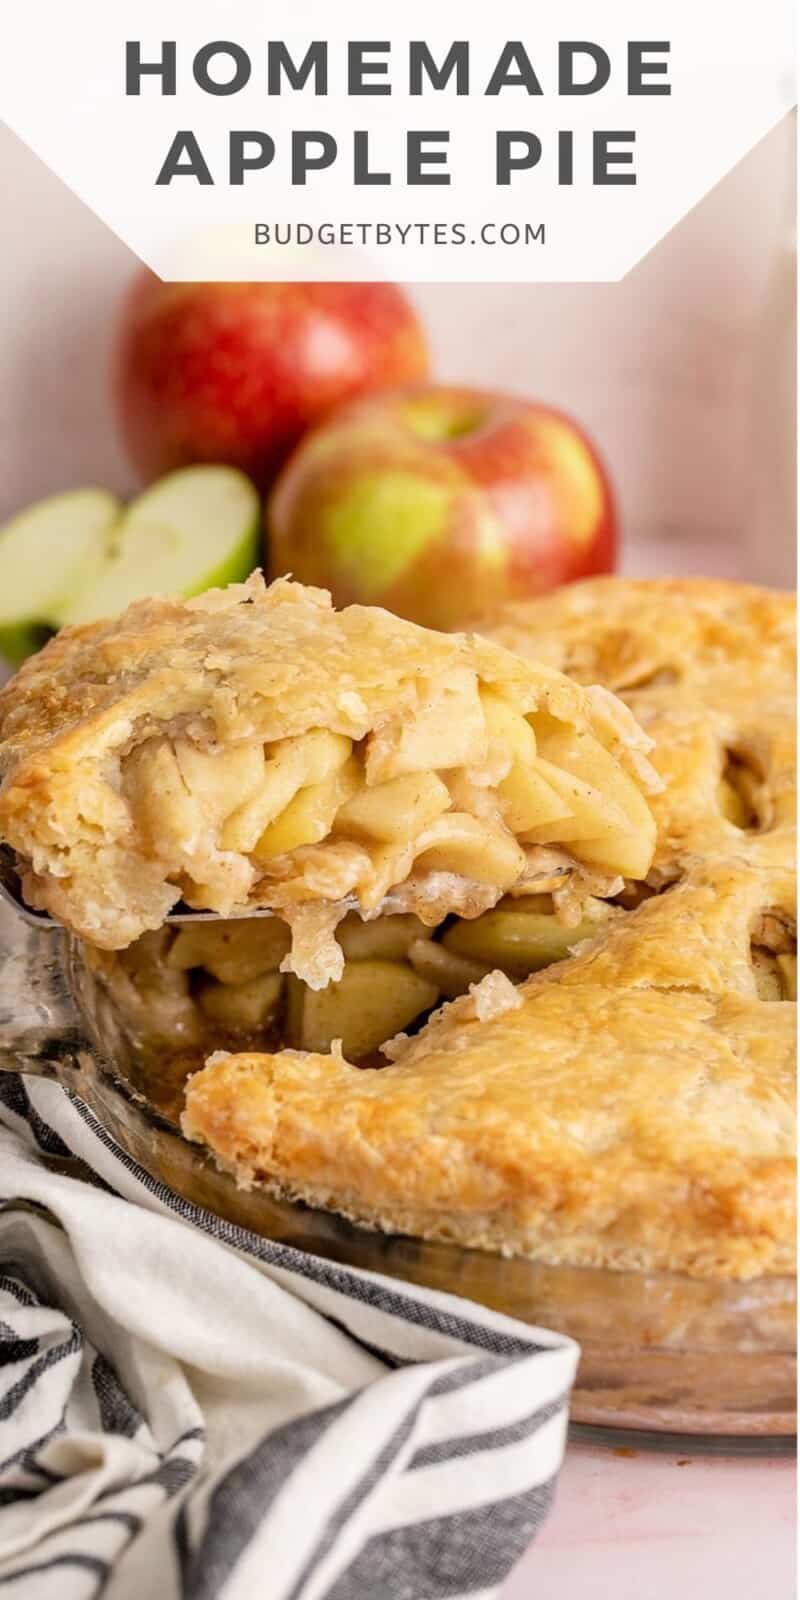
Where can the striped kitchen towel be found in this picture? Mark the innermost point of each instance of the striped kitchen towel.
(189, 1410)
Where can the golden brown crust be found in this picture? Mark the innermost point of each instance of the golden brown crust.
(699, 640)
(591, 1126)
(273, 660)
(118, 744)
(636, 1110)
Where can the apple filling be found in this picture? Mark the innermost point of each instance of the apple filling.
(773, 955)
(442, 809)
(211, 984)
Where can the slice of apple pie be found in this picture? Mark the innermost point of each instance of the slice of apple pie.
(255, 749)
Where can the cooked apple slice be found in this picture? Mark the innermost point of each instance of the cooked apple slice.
(507, 726)
(308, 817)
(584, 755)
(242, 1007)
(611, 824)
(446, 729)
(167, 813)
(477, 850)
(219, 779)
(452, 974)
(383, 939)
(527, 800)
(518, 941)
(397, 810)
(372, 1001)
(293, 764)
(587, 810)
(233, 952)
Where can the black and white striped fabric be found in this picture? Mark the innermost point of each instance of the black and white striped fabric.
(188, 1410)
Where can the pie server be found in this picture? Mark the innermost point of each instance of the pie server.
(667, 1360)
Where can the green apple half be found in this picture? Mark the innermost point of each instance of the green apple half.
(82, 555)
(47, 552)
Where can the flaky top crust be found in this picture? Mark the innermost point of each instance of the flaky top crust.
(631, 1107)
(245, 661)
(695, 640)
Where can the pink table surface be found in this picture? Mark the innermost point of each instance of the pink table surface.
(656, 1527)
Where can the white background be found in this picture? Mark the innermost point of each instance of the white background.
(62, 86)
(680, 371)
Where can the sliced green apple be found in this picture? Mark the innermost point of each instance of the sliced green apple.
(196, 529)
(78, 556)
(48, 553)
(20, 640)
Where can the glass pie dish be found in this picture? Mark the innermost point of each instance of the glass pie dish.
(664, 1356)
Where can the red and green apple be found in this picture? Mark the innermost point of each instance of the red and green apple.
(440, 502)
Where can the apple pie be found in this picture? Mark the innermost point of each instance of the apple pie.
(254, 749)
(630, 1104)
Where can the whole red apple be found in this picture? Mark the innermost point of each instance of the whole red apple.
(237, 372)
(440, 502)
